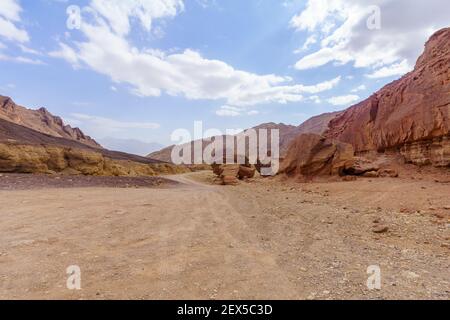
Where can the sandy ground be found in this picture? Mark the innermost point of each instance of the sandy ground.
(264, 239)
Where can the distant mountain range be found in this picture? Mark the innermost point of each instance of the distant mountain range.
(133, 146)
(317, 125)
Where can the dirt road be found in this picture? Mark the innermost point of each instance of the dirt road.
(262, 240)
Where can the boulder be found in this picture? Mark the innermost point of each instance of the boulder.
(230, 174)
(361, 166)
(312, 155)
(246, 172)
(230, 170)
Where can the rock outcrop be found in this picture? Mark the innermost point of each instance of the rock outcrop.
(411, 115)
(313, 155)
(25, 158)
(317, 125)
(43, 121)
(23, 150)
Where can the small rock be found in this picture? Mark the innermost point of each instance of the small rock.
(380, 229)
(410, 275)
(371, 174)
(388, 173)
(439, 215)
(312, 296)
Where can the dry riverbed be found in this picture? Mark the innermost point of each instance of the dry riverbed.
(191, 239)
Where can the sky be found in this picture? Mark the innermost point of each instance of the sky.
(140, 69)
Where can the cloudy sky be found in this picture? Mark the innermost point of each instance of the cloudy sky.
(139, 69)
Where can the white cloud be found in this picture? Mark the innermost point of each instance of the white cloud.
(228, 111)
(118, 13)
(20, 59)
(231, 111)
(67, 53)
(110, 124)
(28, 50)
(10, 31)
(152, 72)
(343, 100)
(315, 99)
(341, 26)
(101, 127)
(359, 88)
(206, 3)
(308, 43)
(9, 16)
(395, 69)
(8, 87)
(10, 9)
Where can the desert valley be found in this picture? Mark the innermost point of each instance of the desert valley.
(362, 188)
(366, 186)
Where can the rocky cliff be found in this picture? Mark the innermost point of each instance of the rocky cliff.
(411, 115)
(43, 121)
(312, 155)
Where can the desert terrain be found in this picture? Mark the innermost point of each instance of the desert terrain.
(189, 238)
(357, 189)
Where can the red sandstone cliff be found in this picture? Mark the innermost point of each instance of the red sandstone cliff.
(411, 114)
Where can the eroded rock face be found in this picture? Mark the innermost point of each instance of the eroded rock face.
(411, 114)
(313, 155)
(23, 158)
(435, 152)
(42, 121)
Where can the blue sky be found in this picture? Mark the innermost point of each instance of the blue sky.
(140, 69)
